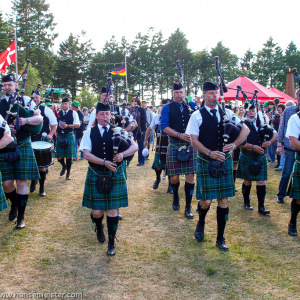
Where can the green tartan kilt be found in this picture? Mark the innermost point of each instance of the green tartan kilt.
(295, 184)
(69, 151)
(159, 161)
(209, 187)
(243, 167)
(116, 198)
(176, 167)
(25, 168)
(3, 203)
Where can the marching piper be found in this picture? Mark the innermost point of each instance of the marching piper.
(97, 145)
(213, 182)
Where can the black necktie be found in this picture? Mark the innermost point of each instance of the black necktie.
(105, 133)
(214, 112)
(181, 107)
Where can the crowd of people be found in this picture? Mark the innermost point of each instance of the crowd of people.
(189, 141)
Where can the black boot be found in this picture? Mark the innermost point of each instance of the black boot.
(69, 164)
(42, 183)
(33, 186)
(64, 168)
(22, 202)
(199, 232)
(169, 190)
(246, 194)
(175, 205)
(157, 181)
(189, 191)
(222, 217)
(98, 228)
(14, 206)
(112, 226)
(295, 208)
(261, 193)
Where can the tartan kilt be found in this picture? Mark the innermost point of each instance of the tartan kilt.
(243, 167)
(209, 187)
(25, 168)
(69, 151)
(3, 203)
(176, 167)
(116, 198)
(159, 161)
(295, 184)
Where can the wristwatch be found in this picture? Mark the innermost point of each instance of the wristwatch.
(28, 120)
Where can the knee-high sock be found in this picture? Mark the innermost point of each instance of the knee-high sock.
(62, 162)
(12, 196)
(295, 208)
(246, 193)
(69, 164)
(175, 188)
(22, 202)
(261, 193)
(112, 226)
(234, 175)
(222, 217)
(158, 173)
(202, 213)
(42, 180)
(189, 191)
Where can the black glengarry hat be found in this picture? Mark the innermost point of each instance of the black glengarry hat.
(65, 100)
(177, 86)
(36, 92)
(8, 78)
(165, 101)
(209, 86)
(103, 90)
(102, 107)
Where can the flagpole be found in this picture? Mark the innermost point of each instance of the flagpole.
(126, 72)
(16, 50)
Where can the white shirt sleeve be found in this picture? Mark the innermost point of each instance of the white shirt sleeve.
(293, 127)
(7, 129)
(32, 104)
(86, 142)
(75, 118)
(154, 121)
(51, 116)
(194, 123)
(92, 118)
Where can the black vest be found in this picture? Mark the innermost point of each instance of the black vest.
(178, 120)
(45, 128)
(68, 119)
(102, 148)
(4, 107)
(253, 137)
(211, 132)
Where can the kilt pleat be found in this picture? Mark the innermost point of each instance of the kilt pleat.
(25, 168)
(176, 167)
(159, 161)
(295, 184)
(208, 187)
(116, 198)
(3, 203)
(69, 151)
(243, 167)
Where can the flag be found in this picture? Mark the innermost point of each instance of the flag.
(119, 71)
(8, 57)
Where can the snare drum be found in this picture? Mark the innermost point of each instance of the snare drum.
(161, 144)
(43, 153)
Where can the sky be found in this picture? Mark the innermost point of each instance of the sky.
(240, 25)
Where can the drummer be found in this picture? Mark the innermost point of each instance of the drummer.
(46, 134)
(159, 163)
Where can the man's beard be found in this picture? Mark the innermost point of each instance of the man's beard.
(251, 120)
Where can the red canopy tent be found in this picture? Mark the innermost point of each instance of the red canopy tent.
(285, 96)
(248, 85)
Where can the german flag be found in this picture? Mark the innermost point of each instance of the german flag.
(119, 71)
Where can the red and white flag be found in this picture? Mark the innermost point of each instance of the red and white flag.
(8, 57)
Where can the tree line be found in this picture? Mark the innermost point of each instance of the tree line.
(151, 58)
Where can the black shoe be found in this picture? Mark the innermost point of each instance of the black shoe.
(279, 200)
(263, 211)
(20, 224)
(100, 234)
(111, 251)
(292, 230)
(33, 185)
(13, 212)
(222, 245)
(188, 213)
(176, 205)
(248, 206)
(169, 190)
(68, 177)
(43, 193)
(63, 171)
(155, 185)
(140, 164)
(120, 217)
(199, 233)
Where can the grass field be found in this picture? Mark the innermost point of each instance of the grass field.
(157, 255)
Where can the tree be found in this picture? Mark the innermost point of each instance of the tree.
(35, 26)
(292, 56)
(86, 98)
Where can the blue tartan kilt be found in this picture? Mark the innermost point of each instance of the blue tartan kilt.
(209, 187)
(69, 151)
(295, 183)
(243, 167)
(159, 161)
(116, 198)
(176, 167)
(3, 203)
(25, 168)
